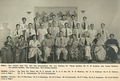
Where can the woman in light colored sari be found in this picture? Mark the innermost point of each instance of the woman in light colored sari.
(99, 51)
(34, 45)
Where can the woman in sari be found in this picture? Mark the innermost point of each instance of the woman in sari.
(73, 44)
(7, 51)
(112, 46)
(21, 50)
(99, 51)
(34, 45)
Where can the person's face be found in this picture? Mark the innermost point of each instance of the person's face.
(63, 17)
(92, 26)
(48, 35)
(98, 36)
(24, 20)
(30, 26)
(22, 38)
(9, 39)
(61, 34)
(73, 17)
(54, 23)
(111, 37)
(84, 19)
(53, 17)
(34, 37)
(102, 26)
(78, 25)
(74, 37)
(42, 25)
(66, 25)
(17, 27)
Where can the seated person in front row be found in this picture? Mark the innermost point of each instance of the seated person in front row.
(61, 43)
(48, 42)
(112, 46)
(34, 49)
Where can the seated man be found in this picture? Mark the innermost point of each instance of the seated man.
(48, 42)
(61, 43)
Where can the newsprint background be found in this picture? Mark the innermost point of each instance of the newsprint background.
(96, 11)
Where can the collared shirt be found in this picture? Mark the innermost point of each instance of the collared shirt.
(66, 32)
(54, 31)
(48, 42)
(30, 32)
(86, 41)
(61, 42)
(93, 34)
(17, 33)
(24, 26)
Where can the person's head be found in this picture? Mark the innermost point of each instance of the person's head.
(24, 20)
(34, 19)
(61, 34)
(84, 18)
(41, 25)
(73, 17)
(54, 23)
(86, 34)
(78, 25)
(53, 16)
(34, 37)
(66, 25)
(9, 38)
(111, 36)
(22, 37)
(30, 26)
(74, 36)
(17, 26)
(63, 17)
(102, 25)
(44, 19)
(48, 35)
(92, 26)
(98, 35)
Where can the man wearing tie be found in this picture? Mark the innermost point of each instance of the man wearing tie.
(84, 24)
(66, 31)
(104, 33)
(86, 43)
(73, 22)
(61, 43)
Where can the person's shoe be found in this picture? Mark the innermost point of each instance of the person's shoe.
(64, 60)
(89, 61)
(57, 60)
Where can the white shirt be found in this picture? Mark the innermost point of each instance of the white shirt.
(34, 43)
(62, 23)
(69, 32)
(41, 34)
(30, 32)
(93, 34)
(17, 33)
(24, 26)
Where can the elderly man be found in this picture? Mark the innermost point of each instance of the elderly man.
(61, 43)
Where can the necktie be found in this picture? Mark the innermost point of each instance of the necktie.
(84, 25)
(73, 25)
(85, 41)
(30, 32)
(102, 31)
(61, 40)
(17, 32)
(66, 32)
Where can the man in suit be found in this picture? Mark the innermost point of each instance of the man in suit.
(61, 43)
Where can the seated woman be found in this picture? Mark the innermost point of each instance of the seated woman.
(99, 51)
(7, 51)
(47, 43)
(21, 50)
(73, 44)
(112, 46)
(34, 45)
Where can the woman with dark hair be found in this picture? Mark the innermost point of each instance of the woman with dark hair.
(112, 46)
(99, 51)
(21, 50)
(34, 45)
(7, 51)
(73, 43)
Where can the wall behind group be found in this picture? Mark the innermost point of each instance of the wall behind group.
(97, 11)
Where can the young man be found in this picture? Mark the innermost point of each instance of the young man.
(29, 32)
(54, 30)
(104, 33)
(61, 43)
(73, 22)
(47, 44)
(41, 32)
(53, 19)
(84, 24)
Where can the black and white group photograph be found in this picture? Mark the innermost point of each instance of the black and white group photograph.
(60, 31)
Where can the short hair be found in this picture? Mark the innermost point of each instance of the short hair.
(72, 15)
(112, 35)
(21, 36)
(60, 32)
(66, 23)
(102, 24)
(98, 34)
(53, 15)
(17, 25)
(84, 17)
(30, 23)
(24, 18)
(53, 21)
(9, 37)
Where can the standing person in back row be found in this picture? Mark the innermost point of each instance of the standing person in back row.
(104, 33)
(85, 24)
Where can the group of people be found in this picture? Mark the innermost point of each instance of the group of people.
(67, 39)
